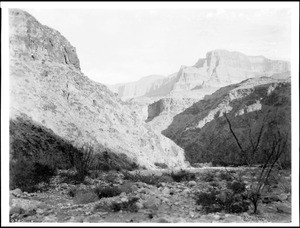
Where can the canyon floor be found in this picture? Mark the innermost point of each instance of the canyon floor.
(168, 201)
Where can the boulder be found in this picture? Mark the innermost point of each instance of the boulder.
(16, 192)
(152, 203)
(191, 184)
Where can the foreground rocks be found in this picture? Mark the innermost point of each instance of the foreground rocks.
(169, 202)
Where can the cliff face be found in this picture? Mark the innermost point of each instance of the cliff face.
(29, 40)
(139, 88)
(47, 87)
(202, 129)
(218, 69)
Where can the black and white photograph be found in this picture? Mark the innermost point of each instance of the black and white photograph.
(150, 113)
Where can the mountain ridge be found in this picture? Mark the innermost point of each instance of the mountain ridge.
(219, 68)
(46, 85)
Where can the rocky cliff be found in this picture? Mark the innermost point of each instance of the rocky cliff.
(204, 133)
(139, 88)
(48, 89)
(219, 68)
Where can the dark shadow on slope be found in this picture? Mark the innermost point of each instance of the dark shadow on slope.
(214, 143)
(36, 152)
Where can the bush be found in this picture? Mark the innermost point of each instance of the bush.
(225, 176)
(209, 201)
(130, 205)
(106, 192)
(83, 161)
(183, 175)
(208, 177)
(72, 192)
(152, 179)
(26, 175)
(161, 165)
(236, 186)
(216, 200)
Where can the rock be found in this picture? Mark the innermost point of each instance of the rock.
(283, 197)
(186, 192)
(27, 205)
(166, 191)
(124, 199)
(139, 205)
(191, 184)
(123, 194)
(134, 188)
(271, 198)
(39, 211)
(199, 208)
(144, 191)
(152, 203)
(16, 210)
(282, 208)
(217, 217)
(232, 218)
(50, 219)
(16, 192)
(76, 219)
(162, 220)
(64, 185)
(191, 214)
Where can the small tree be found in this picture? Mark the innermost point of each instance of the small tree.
(272, 151)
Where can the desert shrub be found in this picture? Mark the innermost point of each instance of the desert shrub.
(111, 177)
(130, 205)
(104, 167)
(183, 175)
(225, 176)
(108, 160)
(39, 144)
(216, 200)
(26, 174)
(207, 177)
(150, 179)
(209, 201)
(236, 186)
(83, 161)
(161, 165)
(214, 184)
(85, 197)
(166, 178)
(106, 192)
(72, 191)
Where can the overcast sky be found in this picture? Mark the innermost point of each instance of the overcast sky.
(122, 45)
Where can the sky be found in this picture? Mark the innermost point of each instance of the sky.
(123, 45)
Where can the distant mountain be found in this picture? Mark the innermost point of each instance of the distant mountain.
(138, 88)
(49, 93)
(219, 68)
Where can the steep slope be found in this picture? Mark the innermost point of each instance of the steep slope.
(202, 129)
(48, 89)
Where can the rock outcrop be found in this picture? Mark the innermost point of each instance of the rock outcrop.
(202, 129)
(48, 89)
(29, 40)
(161, 112)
